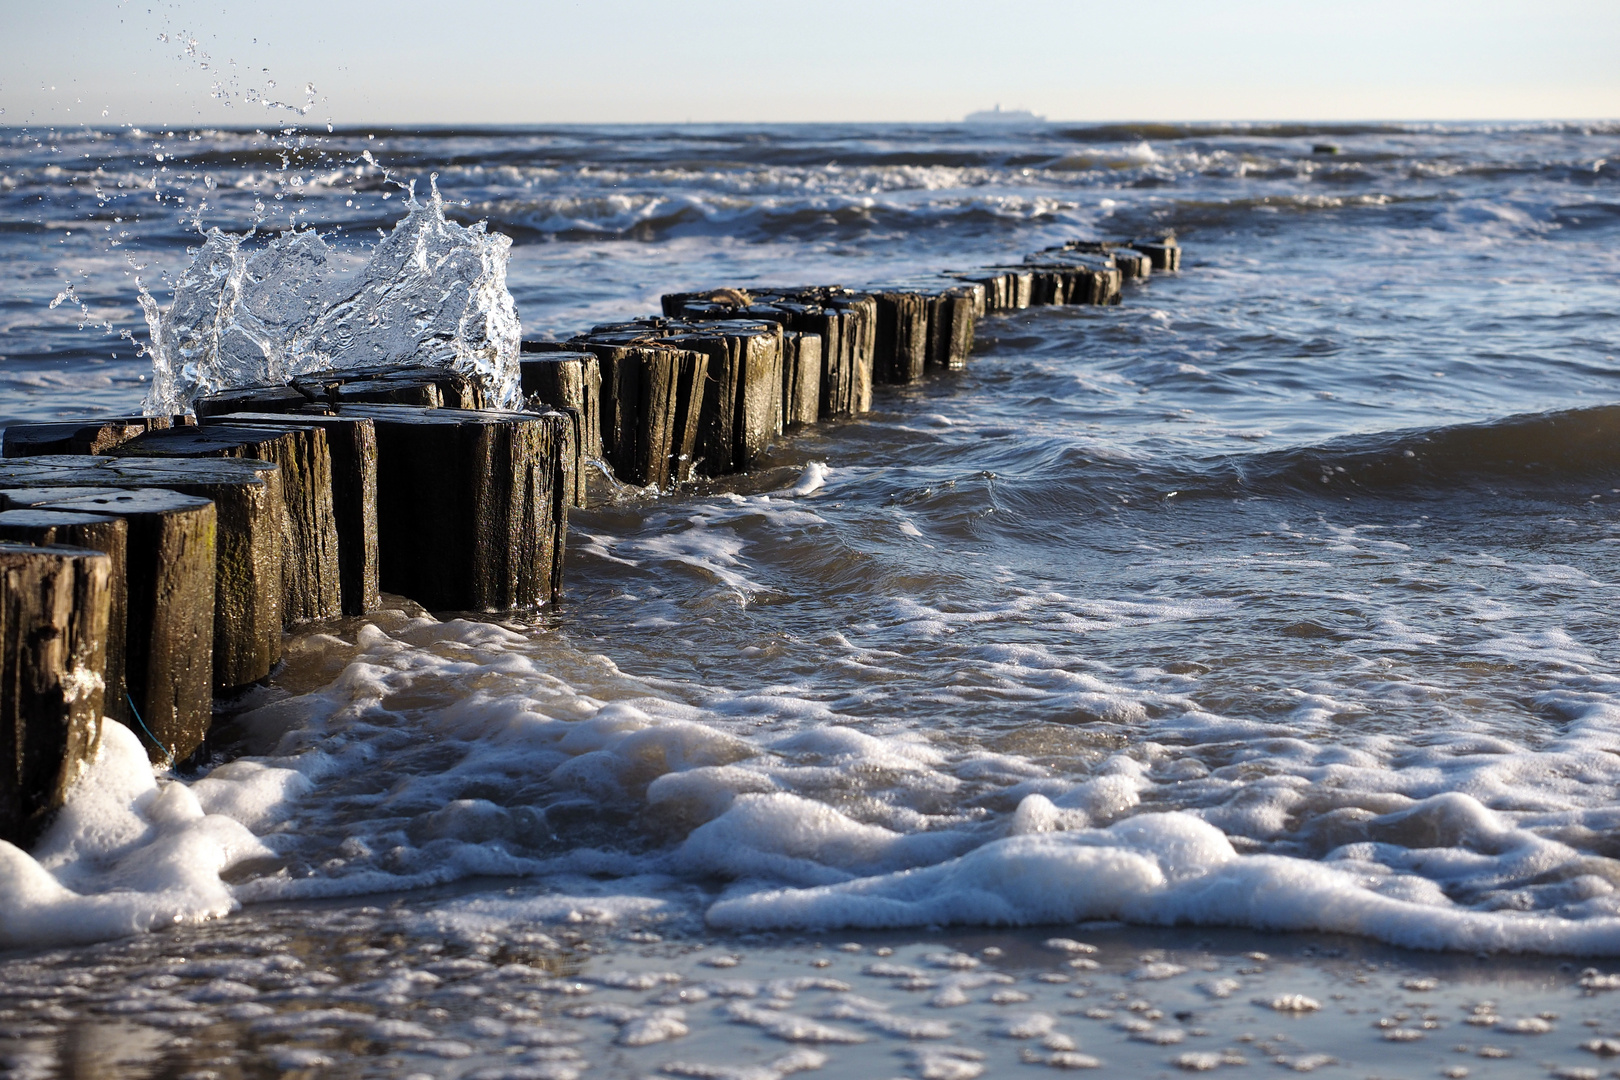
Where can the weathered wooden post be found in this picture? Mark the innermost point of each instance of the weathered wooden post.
(1076, 277)
(1008, 288)
(169, 640)
(352, 443)
(90, 436)
(252, 399)
(571, 383)
(642, 422)
(900, 352)
(951, 309)
(801, 378)
(742, 396)
(471, 505)
(98, 532)
(312, 587)
(568, 380)
(250, 520)
(1130, 262)
(428, 386)
(53, 637)
(1162, 248)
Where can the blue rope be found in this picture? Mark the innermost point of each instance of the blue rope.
(167, 753)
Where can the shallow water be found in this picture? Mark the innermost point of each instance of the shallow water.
(1277, 598)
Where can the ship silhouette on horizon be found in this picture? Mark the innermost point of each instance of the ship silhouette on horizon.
(1000, 117)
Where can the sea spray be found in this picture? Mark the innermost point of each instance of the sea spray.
(433, 292)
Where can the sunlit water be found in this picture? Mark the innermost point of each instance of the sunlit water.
(1199, 609)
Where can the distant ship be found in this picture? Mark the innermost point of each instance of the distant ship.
(1004, 117)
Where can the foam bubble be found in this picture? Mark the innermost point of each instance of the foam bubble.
(123, 855)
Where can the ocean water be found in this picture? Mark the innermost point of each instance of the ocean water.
(1254, 638)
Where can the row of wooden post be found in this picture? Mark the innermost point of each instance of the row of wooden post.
(703, 388)
(148, 564)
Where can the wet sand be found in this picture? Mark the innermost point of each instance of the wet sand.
(486, 982)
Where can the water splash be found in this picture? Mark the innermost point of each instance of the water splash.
(434, 293)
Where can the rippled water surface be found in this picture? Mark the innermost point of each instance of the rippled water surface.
(1280, 597)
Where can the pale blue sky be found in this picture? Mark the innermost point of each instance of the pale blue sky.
(486, 61)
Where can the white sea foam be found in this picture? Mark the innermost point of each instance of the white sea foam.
(1411, 855)
(1458, 837)
(124, 855)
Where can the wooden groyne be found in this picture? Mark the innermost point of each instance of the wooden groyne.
(149, 564)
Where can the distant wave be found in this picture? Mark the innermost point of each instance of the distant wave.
(1568, 448)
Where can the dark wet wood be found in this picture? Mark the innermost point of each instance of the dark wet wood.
(53, 635)
(1133, 263)
(648, 386)
(1130, 262)
(312, 587)
(89, 436)
(253, 399)
(900, 349)
(427, 386)
(742, 395)
(952, 320)
(98, 532)
(1074, 278)
(846, 322)
(1162, 249)
(801, 378)
(950, 314)
(352, 443)
(568, 380)
(169, 647)
(471, 505)
(1007, 288)
(978, 292)
(250, 520)
(996, 289)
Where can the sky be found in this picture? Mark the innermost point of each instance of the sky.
(360, 62)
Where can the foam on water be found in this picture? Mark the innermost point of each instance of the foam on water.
(433, 292)
(125, 855)
(430, 751)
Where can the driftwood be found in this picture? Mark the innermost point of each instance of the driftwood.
(248, 577)
(98, 532)
(90, 436)
(471, 506)
(312, 588)
(53, 634)
(352, 444)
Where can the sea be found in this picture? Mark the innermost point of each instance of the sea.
(1227, 680)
